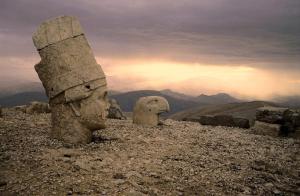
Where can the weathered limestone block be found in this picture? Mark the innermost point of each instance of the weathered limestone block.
(38, 107)
(224, 120)
(262, 128)
(115, 111)
(273, 115)
(147, 110)
(74, 82)
(293, 117)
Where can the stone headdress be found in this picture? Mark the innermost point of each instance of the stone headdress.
(68, 65)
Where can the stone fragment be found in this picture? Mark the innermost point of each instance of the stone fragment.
(147, 110)
(73, 81)
(289, 120)
(262, 128)
(115, 111)
(37, 107)
(273, 115)
(224, 120)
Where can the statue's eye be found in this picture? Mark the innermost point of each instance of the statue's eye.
(156, 100)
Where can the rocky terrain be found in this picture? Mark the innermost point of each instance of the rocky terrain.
(177, 158)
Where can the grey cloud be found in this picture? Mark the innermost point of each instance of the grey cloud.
(216, 32)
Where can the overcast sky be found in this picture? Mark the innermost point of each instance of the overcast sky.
(250, 48)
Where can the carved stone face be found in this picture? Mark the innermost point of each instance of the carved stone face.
(74, 82)
(147, 110)
(93, 110)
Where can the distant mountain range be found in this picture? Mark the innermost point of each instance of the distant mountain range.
(128, 99)
(20, 87)
(24, 93)
(22, 98)
(177, 101)
(288, 101)
(219, 98)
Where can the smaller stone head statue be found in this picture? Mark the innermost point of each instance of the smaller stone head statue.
(74, 82)
(147, 110)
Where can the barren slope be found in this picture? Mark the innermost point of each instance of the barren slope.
(180, 158)
(244, 109)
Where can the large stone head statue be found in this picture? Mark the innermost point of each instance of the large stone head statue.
(74, 82)
(147, 109)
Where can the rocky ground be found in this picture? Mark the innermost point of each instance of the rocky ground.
(178, 158)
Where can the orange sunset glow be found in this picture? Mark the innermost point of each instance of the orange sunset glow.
(192, 47)
(243, 80)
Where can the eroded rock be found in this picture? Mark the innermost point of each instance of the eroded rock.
(74, 82)
(273, 115)
(37, 107)
(288, 120)
(115, 111)
(263, 128)
(224, 120)
(147, 110)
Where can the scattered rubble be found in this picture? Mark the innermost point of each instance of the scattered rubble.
(177, 158)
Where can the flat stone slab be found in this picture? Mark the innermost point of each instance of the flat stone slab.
(223, 120)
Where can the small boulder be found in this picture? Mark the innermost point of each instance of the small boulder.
(224, 120)
(115, 111)
(263, 128)
(273, 115)
(38, 107)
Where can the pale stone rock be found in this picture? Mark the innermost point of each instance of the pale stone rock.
(74, 82)
(38, 107)
(115, 111)
(263, 128)
(147, 109)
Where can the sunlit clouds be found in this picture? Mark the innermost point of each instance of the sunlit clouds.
(250, 49)
(242, 81)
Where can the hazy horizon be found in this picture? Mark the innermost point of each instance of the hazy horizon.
(249, 49)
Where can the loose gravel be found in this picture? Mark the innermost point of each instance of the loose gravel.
(177, 158)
